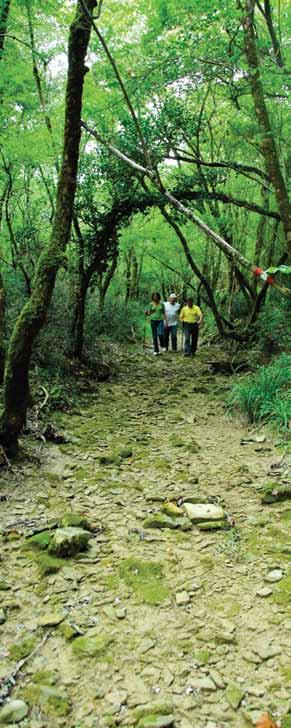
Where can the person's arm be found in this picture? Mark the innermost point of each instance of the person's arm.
(181, 317)
(148, 311)
(199, 321)
(166, 323)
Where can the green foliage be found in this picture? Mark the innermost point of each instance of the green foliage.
(272, 330)
(264, 396)
(118, 320)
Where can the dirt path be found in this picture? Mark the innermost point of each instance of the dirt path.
(222, 656)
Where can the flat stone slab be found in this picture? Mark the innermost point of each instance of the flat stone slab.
(203, 512)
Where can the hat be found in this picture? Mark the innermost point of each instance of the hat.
(172, 295)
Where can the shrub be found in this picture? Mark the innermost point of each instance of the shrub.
(265, 394)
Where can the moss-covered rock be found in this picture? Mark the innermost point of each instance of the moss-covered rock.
(158, 707)
(67, 631)
(95, 647)
(159, 520)
(156, 721)
(4, 586)
(40, 540)
(172, 510)
(68, 541)
(75, 520)
(214, 526)
(125, 453)
(234, 696)
(273, 493)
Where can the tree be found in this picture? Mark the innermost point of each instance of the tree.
(33, 315)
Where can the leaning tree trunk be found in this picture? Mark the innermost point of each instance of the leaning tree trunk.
(33, 315)
(2, 329)
(268, 144)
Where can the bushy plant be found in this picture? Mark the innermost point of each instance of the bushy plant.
(273, 330)
(118, 320)
(265, 394)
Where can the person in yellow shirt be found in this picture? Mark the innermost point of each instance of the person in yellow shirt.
(191, 317)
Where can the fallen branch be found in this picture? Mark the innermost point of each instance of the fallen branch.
(8, 682)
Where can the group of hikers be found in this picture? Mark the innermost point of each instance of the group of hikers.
(164, 318)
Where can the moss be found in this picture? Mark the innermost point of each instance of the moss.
(274, 492)
(125, 453)
(146, 579)
(150, 709)
(51, 701)
(4, 586)
(45, 677)
(170, 509)
(40, 540)
(202, 656)
(282, 596)
(91, 646)
(49, 564)
(159, 520)
(176, 441)
(67, 631)
(75, 519)
(156, 721)
(68, 541)
(213, 526)
(109, 460)
(22, 649)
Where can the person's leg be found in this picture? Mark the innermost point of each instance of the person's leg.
(154, 325)
(187, 330)
(194, 341)
(166, 337)
(173, 330)
(161, 334)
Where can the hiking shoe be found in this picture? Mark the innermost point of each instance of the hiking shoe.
(155, 353)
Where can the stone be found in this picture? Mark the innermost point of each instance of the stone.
(120, 613)
(273, 493)
(50, 620)
(68, 541)
(161, 521)
(2, 616)
(117, 697)
(214, 526)
(171, 510)
(274, 576)
(156, 721)
(75, 520)
(182, 598)
(155, 708)
(203, 683)
(266, 652)
(200, 512)
(234, 695)
(264, 591)
(91, 646)
(217, 679)
(13, 712)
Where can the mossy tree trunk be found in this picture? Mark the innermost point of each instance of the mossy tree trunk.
(268, 144)
(4, 13)
(33, 315)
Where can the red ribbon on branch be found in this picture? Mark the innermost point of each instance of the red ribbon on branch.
(260, 273)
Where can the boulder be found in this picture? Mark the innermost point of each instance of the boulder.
(161, 521)
(203, 512)
(13, 712)
(68, 541)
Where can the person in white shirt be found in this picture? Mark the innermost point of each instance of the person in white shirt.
(172, 308)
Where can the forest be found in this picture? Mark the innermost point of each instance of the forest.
(145, 502)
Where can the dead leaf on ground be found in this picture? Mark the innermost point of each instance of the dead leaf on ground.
(266, 722)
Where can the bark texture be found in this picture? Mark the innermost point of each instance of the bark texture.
(33, 315)
(268, 142)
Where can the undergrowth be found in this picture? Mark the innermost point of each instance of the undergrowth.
(266, 395)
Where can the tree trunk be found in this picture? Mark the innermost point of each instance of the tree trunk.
(33, 315)
(80, 319)
(4, 12)
(2, 329)
(268, 145)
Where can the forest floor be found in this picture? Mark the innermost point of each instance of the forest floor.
(182, 620)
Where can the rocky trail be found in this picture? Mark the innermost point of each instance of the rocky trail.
(158, 623)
